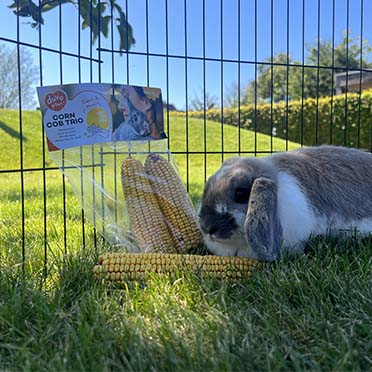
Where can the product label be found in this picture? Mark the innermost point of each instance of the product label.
(83, 114)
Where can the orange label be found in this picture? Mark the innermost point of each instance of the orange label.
(56, 101)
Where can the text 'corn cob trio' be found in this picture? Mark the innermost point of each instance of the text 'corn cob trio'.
(119, 267)
(161, 214)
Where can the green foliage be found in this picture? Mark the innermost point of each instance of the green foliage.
(94, 14)
(350, 53)
(340, 120)
(276, 81)
(271, 81)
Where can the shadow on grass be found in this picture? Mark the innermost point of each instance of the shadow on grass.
(11, 131)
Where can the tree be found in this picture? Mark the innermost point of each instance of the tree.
(232, 96)
(345, 55)
(93, 12)
(277, 80)
(203, 101)
(9, 91)
(271, 81)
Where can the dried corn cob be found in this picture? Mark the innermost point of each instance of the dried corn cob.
(175, 203)
(146, 220)
(119, 267)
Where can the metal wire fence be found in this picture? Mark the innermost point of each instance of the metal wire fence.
(185, 47)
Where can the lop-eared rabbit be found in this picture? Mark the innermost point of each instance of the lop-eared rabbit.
(261, 207)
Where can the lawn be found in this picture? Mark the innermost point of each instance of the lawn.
(310, 312)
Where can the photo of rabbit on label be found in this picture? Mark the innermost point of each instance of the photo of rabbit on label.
(139, 122)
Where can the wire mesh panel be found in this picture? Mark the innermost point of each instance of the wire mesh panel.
(239, 77)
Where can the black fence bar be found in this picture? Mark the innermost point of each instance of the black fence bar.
(221, 79)
(361, 66)
(239, 78)
(287, 81)
(204, 93)
(44, 158)
(347, 72)
(63, 152)
(317, 79)
(302, 74)
(167, 68)
(186, 98)
(255, 78)
(333, 72)
(45, 49)
(243, 61)
(83, 240)
(21, 143)
(271, 72)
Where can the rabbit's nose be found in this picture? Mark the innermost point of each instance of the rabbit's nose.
(209, 229)
(212, 229)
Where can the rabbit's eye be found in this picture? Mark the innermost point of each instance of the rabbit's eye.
(242, 194)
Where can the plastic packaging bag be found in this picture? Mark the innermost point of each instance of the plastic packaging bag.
(116, 203)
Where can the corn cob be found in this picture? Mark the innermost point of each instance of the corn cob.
(119, 267)
(174, 203)
(146, 220)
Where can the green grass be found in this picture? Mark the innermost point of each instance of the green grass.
(310, 312)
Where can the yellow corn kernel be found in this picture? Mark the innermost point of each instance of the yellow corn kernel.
(175, 203)
(207, 266)
(146, 220)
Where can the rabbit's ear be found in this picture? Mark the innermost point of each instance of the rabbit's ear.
(262, 228)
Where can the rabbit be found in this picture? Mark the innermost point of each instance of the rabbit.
(264, 207)
(137, 120)
(135, 126)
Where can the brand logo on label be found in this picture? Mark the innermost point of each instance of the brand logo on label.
(56, 101)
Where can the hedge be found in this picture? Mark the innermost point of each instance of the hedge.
(340, 120)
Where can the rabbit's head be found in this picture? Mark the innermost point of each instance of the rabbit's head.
(138, 121)
(238, 211)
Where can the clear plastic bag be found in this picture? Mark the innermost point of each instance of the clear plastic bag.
(95, 174)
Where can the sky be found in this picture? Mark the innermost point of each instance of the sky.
(262, 27)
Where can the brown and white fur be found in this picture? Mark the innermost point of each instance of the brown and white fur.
(258, 207)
